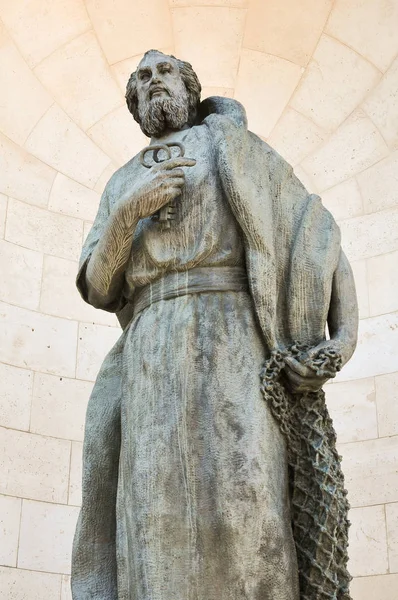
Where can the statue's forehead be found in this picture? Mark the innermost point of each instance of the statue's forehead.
(154, 58)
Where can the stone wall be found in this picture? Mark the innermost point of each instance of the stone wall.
(320, 82)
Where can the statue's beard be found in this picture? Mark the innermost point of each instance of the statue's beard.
(160, 114)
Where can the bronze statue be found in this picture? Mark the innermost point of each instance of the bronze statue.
(210, 470)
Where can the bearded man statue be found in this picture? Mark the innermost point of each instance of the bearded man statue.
(210, 470)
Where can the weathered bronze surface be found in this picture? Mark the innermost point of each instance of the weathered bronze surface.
(210, 470)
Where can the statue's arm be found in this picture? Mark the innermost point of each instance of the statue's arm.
(105, 269)
(343, 310)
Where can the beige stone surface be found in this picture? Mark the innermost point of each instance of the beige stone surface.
(59, 406)
(377, 349)
(387, 404)
(368, 541)
(126, 28)
(335, 82)
(59, 295)
(294, 136)
(40, 342)
(118, 135)
(22, 175)
(94, 343)
(60, 143)
(18, 584)
(392, 535)
(10, 516)
(305, 179)
(382, 106)
(265, 96)
(3, 214)
(370, 235)
(79, 79)
(15, 397)
(370, 469)
(383, 283)
(34, 466)
(42, 230)
(344, 200)
(197, 34)
(66, 593)
(75, 479)
(379, 184)
(368, 26)
(46, 536)
(41, 26)
(21, 275)
(352, 406)
(18, 117)
(383, 587)
(71, 198)
(286, 28)
(226, 3)
(355, 146)
(360, 272)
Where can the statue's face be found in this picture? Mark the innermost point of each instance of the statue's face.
(162, 96)
(158, 78)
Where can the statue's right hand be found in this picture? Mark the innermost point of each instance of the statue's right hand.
(158, 186)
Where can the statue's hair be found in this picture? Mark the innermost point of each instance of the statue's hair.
(189, 78)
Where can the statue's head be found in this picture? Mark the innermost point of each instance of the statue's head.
(163, 93)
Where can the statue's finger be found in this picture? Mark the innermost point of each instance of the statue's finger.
(299, 368)
(180, 161)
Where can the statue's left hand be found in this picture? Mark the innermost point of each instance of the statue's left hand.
(302, 378)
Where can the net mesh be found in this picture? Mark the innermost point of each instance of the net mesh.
(318, 498)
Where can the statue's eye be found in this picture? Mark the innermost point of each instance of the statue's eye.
(144, 76)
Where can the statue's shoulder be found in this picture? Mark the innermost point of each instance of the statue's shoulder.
(220, 108)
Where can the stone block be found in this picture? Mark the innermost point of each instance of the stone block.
(95, 341)
(59, 142)
(118, 135)
(46, 536)
(379, 184)
(43, 343)
(16, 397)
(33, 466)
(353, 147)
(370, 235)
(121, 34)
(334, 83)
(343, 200)
(79, 79)
(392, 535)
(383, 587)
(368, 541)
(387, 404)
(71, 198)
(295, 136)
(265, 97)
(39, 33)
(66, 592)
(21, 275)
(377, 349)
(352, 406)
(17, 116)
(197, 34)
(42, 230)
(3, 214)
(10, 516)
(370, 469)
(287, 29)
(367, 27)
(22, 175)
(18, 584)
(60, 297)
(383, 283)
(59, 406)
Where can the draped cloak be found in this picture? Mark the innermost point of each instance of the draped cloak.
(292, 250)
